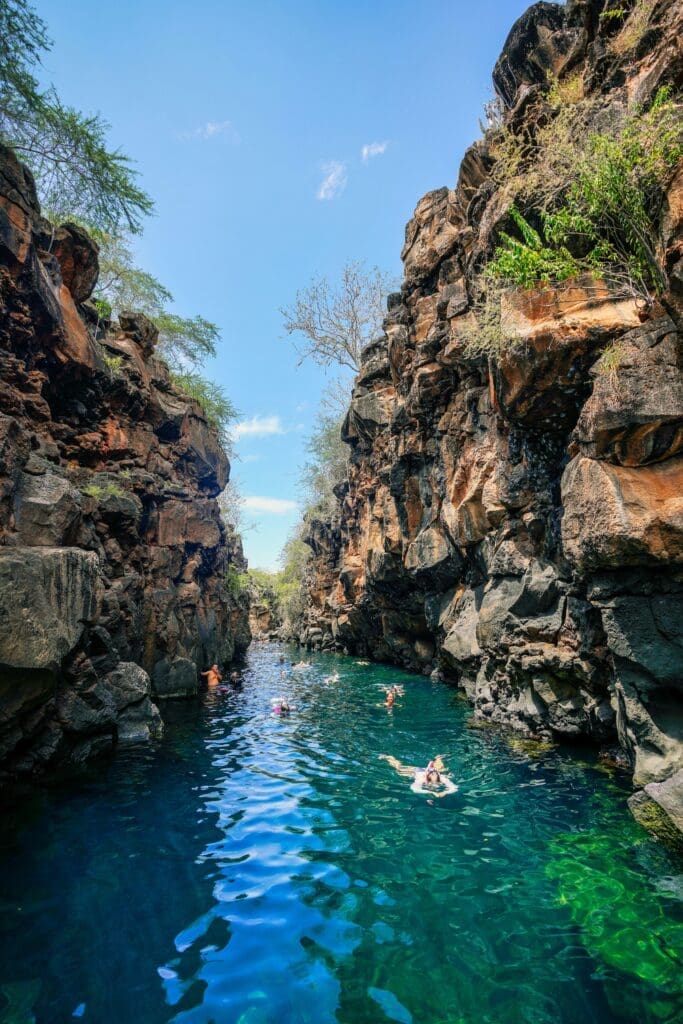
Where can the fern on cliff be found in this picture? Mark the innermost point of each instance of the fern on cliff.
(598, 198)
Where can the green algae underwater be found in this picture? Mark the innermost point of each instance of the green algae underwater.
(251, 869)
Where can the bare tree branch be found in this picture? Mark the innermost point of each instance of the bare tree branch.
(337, 322)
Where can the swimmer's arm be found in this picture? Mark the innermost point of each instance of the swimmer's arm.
(205, 673)
(408, 771)
(449, 787)
(418, 782)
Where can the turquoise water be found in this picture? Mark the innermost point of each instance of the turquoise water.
(255, 869)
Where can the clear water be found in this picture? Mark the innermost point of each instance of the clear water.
(254, 869)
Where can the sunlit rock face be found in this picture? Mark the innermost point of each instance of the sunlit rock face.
(113, 553)
(518, 526)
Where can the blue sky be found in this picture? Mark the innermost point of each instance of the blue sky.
(236, 114)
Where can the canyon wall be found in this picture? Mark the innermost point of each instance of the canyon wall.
(516, 524)
(113, 553)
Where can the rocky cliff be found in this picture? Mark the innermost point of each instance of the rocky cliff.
(516, 524)
(113, 554)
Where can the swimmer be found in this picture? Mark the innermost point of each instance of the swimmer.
(301, 665)
(362, 663)
(234, 677)
(431, 781)
(334, 678)
(213, 675)
(391, 699)
(282, 707)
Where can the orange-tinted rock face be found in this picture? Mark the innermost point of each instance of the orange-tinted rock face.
(113, 553)
(518, 526)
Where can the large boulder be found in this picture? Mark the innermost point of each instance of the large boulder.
(619, 515)
(538, 43)
(47, 509)
(77, 255)
(635, 412)
(46, 596)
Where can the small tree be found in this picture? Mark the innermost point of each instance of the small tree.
(184, 342)
(326, 465)
(337, 321)
(75, 170)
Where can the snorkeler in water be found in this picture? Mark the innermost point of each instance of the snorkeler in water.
(431, 781)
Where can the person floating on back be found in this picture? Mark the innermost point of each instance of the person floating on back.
(213, 675)
(431, 781)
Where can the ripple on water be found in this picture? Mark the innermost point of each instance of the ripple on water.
(259, 870)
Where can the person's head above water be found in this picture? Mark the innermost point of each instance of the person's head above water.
(432, 777)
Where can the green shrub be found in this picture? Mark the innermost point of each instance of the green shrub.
(634, 28)
(611, 360)
(598, 199)
(100, 491)
(103, 308)
(527, 261)
(613, 14)
(236, 583)
(212, 399)
(113, 363)
(565, 90)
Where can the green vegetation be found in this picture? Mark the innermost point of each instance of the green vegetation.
(326, 466)
(183, 341)
(527, 261)
(611, 360)
(236, 583)
(613, 14)
(215, 404)
(594, 202)
(100, 491)
(75, 169)
(289, 582)
(565, 90)
(336, 321)
(635, 26)
(263, 588)
(80, 179)
(113, 363)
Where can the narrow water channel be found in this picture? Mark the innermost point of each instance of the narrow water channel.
(254, 869)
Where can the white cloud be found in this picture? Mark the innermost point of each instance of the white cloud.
(334, 182)
(250, 458)
(371, 149)
(273, 506)
(212, 129)
(258, 426)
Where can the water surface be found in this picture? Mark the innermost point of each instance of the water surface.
(258, 870)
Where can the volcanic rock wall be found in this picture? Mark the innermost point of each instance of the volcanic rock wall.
(113, 553)
(518, 525)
